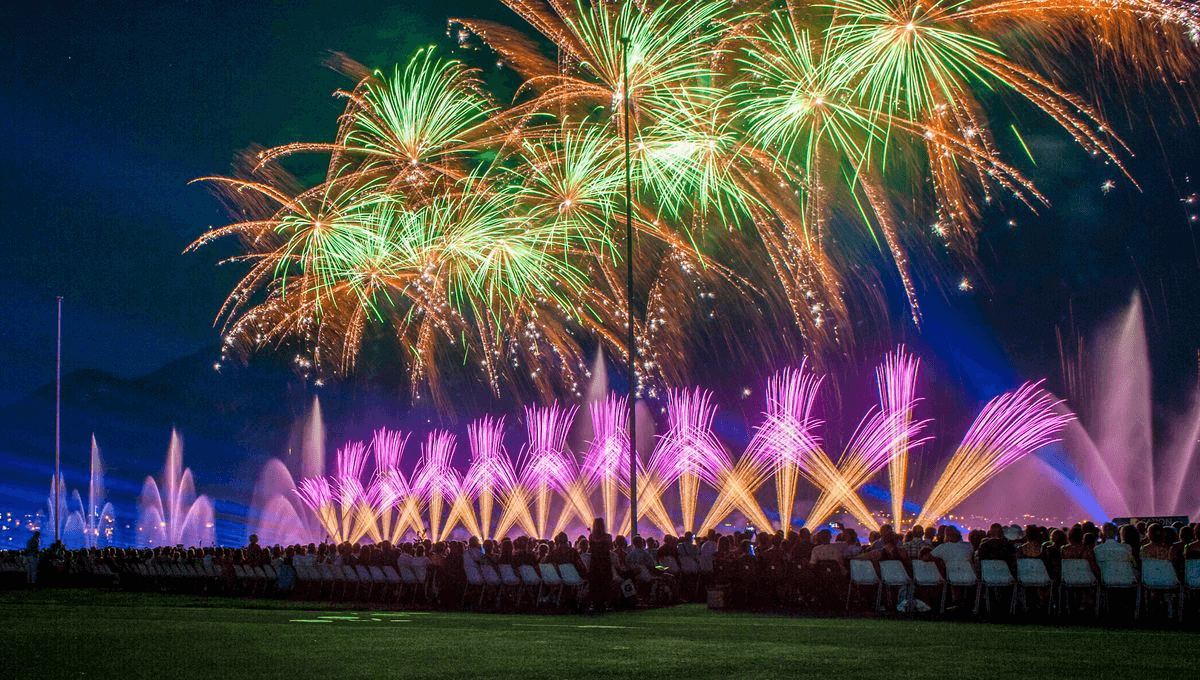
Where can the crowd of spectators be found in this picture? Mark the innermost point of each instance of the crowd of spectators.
(799, 570)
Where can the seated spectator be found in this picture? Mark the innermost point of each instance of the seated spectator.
(825, 551)
(884, 530)
(1112, 548)
(1080, 546)
(996, 546)
(931, 535)
(802, 547)
(890, 550)
(640, 560)
(1032, 548)
(850, 545)
(914, 542)
(1156, 547)
(953, 549)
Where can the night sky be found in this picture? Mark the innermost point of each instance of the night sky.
(108, 110)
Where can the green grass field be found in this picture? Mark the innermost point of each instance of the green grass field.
(98, 634)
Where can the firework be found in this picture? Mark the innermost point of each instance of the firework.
(606, 463)
(546, 466)
(897, 382)
(1010, 427)
(775, 149)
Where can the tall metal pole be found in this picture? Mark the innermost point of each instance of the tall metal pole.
(57, 420)
(631, 347)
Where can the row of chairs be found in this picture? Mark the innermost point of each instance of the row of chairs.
(995, 575)
(407, 583)
(542, 585)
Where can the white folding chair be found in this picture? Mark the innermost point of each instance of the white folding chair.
(862, 573)
(306, 577)
(926, 575)
(892, 574)
(1120, 575)
(328, 576)
(491, 579)
(995, 574)
(551, 582)
(364, 576)
(571, 580)
(531, 582)
(348, 576)
(421, 571)
(242, 574)
(474, 580)
(408, 578)
(1031, 573)
(1077, 575)
(1159, 575)
(1191, 581)
(512, 582)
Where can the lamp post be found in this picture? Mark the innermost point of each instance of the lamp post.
(631, 341)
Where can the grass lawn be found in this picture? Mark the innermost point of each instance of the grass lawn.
(111, 635)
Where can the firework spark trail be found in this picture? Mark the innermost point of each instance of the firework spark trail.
(896, 379)
(317, 494)
(1008, 428)
(434, 478)
(606, 463)
(875, 441)
(546, 466)
(357, 513)
(491, 473)
(341, 503)
(782, 443)
(688, 452)
(777, 450)
(396, 506)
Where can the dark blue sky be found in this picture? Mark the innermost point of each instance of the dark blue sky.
(107, 110)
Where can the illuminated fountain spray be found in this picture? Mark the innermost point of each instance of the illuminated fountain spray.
(55, 516)
(90, 525)
(278, 515)
(1117, 457)
(181, 517)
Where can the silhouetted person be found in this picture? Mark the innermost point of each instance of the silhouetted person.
(32, 553)
(600, 572)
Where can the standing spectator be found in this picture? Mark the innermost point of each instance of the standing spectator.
(600, 572)
(32, 552)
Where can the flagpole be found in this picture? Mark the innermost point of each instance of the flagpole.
(631, 347)
(58, 420)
